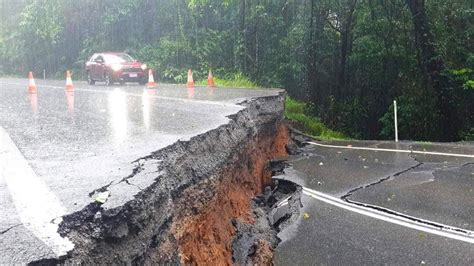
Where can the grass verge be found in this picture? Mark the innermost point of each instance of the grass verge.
(236, 81)
(295, 111)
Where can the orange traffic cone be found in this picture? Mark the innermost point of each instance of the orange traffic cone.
(151, 81)
(31, 84)
(210, 79)
(190, 83)
(69, 86)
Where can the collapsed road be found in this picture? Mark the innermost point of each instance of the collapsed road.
(126, 175)
(134, 175)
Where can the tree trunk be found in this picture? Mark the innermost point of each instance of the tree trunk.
(311, 54)
(432, 69)
(346, 43)
(318, 92)
(242, 37)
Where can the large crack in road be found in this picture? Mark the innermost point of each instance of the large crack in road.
(352, 191)
(192, 198)
(9, 228)
(211, 199)
(348, 196)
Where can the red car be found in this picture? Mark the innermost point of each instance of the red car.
(115, 67)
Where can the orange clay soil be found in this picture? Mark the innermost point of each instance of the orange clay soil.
(204, 229)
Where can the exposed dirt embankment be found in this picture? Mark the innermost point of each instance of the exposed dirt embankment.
(205, 236)
(202, 192)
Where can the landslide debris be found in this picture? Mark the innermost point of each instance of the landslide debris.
(278, 207)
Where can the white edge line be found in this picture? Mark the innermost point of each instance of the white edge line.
(385, 216)
(36, 205)
(284, 201)
(391, 150)
(407, 217)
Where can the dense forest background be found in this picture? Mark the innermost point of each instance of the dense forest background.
(349, 59)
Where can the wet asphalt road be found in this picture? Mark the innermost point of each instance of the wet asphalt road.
(76, 143)
(66, 145)
(428, 187)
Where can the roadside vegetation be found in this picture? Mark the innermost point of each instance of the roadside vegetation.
(296, 113)
(233, 81)
(348, 60)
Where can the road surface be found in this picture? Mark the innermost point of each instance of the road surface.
(382, 205)
(360, 206)
(58, 148)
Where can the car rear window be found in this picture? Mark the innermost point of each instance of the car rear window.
(93, 57)
(118, 58)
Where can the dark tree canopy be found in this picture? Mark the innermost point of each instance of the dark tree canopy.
(348, 58)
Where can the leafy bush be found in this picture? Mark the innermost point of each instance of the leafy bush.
(294, 106)
(295, 110)
(169, 59)
(465, 76)
(352, 118)
(237, 80)
(415, 119)
(468, 135)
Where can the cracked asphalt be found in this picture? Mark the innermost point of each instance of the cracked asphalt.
(73, 144)
(429, 188)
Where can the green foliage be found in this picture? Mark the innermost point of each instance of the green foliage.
(237, 80)
(414, 119)
(350, 117)
(295, 111)
(469, 84)
(194, 4)
(347, 64)
(468, 135)
(465, 76)
(169, 59)
(294, 106)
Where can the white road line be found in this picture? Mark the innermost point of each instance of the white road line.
(284, 201)
(36, 205)
(136, 95)
(392, 150)
(448, 233)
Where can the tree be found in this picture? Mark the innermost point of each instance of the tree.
(433, 70)
(349, 59)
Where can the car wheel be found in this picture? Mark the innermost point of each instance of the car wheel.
(108, 80)
(90, 81)
(142, 81)
(122, 82)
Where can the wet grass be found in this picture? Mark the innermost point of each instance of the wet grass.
(236, 81)
(424, 144)
(296, 111)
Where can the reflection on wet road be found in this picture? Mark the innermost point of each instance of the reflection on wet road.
(36, 205)
(73, 143)
(118, 112)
